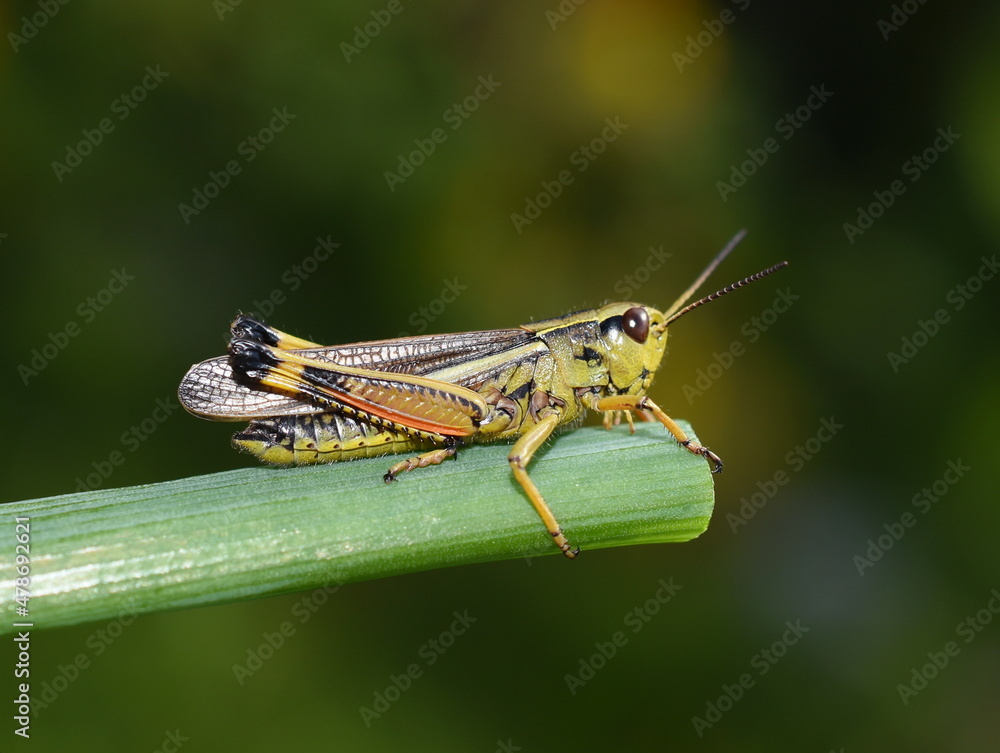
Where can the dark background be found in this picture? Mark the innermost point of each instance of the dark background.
(828, 356)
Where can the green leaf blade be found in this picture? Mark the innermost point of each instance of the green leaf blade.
(261, 531)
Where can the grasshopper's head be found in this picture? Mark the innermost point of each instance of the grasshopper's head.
(635, 336)
(634, 339)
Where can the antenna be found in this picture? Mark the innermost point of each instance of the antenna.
(727, 289)
(704, 275)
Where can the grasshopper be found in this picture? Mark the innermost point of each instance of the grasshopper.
(308, 403)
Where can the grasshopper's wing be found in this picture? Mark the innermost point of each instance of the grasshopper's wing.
(210, 391)
(423, 354)
(419, 355)
(405, 401)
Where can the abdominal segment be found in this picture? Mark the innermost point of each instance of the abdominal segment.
(323, 438)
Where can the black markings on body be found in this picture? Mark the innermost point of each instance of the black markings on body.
(591, 356)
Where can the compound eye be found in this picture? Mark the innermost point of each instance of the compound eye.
(635, 322)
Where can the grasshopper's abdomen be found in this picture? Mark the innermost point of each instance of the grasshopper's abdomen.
(322, 438)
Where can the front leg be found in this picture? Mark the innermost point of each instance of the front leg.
(636, 402)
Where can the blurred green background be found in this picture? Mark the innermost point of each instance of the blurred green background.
(182, 89)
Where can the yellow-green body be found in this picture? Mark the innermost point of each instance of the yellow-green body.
(561, 364)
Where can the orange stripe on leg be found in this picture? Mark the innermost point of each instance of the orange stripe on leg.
(635, 402)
